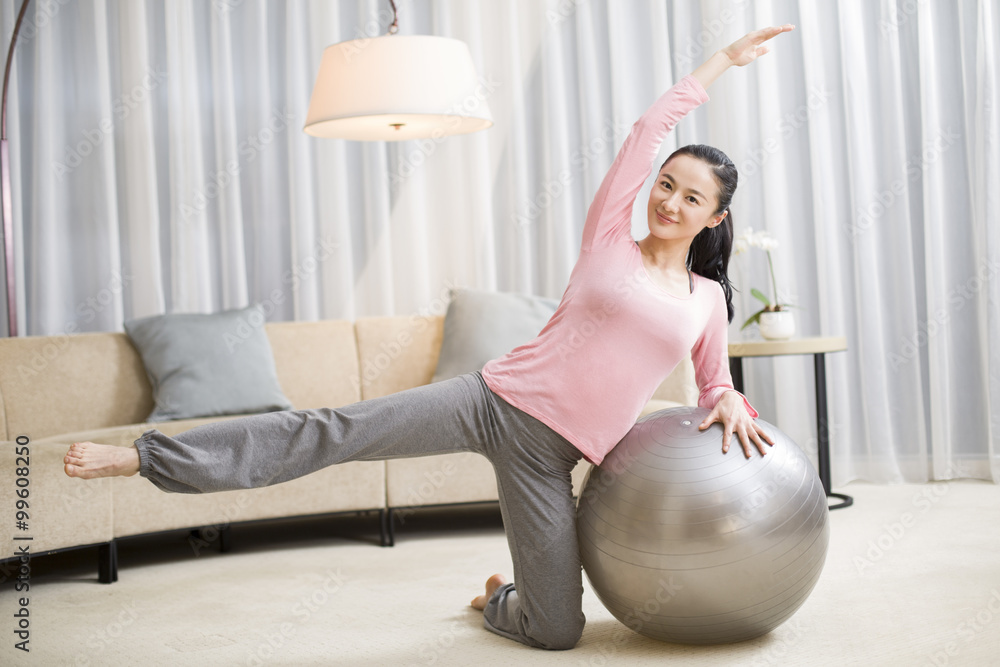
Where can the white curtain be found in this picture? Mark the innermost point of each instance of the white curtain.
(159, 166)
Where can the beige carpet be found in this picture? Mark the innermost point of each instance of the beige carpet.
(912, 578)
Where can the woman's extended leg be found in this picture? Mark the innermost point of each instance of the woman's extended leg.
(274, 447)
(532, 463)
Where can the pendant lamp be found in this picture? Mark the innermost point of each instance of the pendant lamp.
(392, 88)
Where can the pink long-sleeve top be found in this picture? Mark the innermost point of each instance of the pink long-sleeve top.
(616, 334)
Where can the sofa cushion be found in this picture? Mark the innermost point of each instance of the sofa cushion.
(140, 507)
(204, 365)
(316, 362)
(396, 353)
(448, 479)
(480, 326)
(125, 435)
(58, 384)
(681, 386)
(63, 511)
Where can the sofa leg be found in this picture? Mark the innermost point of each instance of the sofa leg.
(388, 538)
(107, 562)
(225, 542)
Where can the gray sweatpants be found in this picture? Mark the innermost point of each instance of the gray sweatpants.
(532, 464)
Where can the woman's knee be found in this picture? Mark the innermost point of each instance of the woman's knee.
(563, 635)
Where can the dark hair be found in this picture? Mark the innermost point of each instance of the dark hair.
(710, 249)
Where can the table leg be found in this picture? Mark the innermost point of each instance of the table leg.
(736, 370)
(823, 434)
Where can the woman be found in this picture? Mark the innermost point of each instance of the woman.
(631, 311)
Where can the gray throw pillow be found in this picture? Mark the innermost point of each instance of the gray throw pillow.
(480, 326)
(208, 365)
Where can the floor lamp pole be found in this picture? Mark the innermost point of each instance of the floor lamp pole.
(8, 211)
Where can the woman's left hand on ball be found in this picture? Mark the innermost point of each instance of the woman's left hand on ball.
(733, 415)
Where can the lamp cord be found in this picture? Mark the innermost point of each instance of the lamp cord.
(394, 28)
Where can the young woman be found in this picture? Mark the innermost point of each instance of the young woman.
(632, 311)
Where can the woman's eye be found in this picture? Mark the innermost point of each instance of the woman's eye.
(665, 184)
(693, 199)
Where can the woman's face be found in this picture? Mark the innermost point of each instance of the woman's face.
(683, 199)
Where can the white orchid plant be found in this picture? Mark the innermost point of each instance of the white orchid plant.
(760, 239)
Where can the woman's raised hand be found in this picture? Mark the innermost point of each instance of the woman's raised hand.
(749, 47)
(741, 52)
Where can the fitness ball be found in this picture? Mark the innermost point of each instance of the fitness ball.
(685, 544)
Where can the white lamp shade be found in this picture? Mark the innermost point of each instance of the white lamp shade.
(393, 87)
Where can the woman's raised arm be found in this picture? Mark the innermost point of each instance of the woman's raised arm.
(610, 213)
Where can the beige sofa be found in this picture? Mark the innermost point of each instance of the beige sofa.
(62, 389)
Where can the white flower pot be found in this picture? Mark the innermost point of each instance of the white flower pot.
(777, 325)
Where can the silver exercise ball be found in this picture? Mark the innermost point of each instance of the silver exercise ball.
(686, 544)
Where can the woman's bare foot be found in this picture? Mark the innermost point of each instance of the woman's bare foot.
(492, 584)
(88, 460)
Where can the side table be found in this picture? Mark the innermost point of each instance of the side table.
(817, 346)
